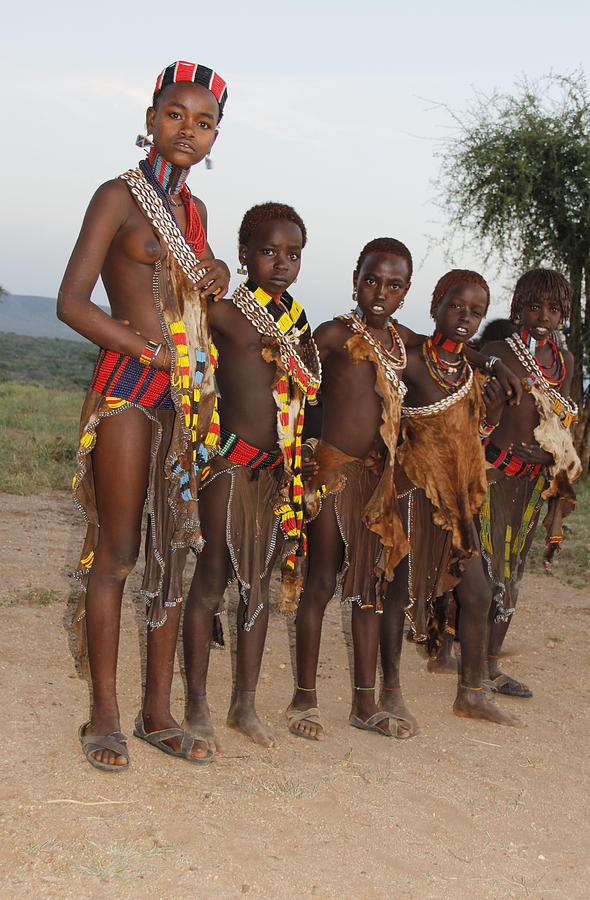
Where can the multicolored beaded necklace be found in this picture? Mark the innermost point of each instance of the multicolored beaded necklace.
(167, 179)
(565, 409)
(449, 376)
(283, 318)
(287, 325)
(291, 319)
(555, 372)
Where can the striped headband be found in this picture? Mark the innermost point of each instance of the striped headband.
(187, 71)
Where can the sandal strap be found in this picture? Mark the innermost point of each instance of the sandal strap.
(296, 716)
(113, 742)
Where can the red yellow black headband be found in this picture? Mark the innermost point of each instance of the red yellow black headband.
(188, 71)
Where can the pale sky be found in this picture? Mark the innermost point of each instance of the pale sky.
(332, 108)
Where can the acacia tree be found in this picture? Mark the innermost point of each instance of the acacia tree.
(515, 177)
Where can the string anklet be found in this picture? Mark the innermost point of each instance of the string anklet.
(245, 690)
(390, 689)
(363, 688)
(306, 690)
(196, 696)
(468, 688)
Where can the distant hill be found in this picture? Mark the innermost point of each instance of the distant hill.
(33, 316)
(48, 361)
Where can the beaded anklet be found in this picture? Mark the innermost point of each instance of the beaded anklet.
(196, 696)
(306, 690)
(364, 688)
(245, 690)
(398, 688)
(468, 688)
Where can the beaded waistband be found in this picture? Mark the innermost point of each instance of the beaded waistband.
(509, 463)
(234, 449)
(125, 378)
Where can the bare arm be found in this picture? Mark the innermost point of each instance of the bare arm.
(107, 213)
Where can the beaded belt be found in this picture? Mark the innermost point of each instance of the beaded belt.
(126, 378)
(509, 463)
(234, 449)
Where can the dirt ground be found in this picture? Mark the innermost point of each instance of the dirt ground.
(465, 809)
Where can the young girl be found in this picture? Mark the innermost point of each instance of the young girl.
(530, 454)
(251, 495)
(441, 483)
(351, 499)
(144, 427)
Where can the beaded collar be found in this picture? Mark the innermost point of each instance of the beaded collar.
(529, 340)
(446, 343)
(154, 170)
(390, 363)
(269, 320)
(172, 178)
(287, 313)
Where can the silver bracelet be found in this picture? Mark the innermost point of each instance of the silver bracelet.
(491, 362)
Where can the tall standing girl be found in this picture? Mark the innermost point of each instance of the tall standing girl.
(149, 417)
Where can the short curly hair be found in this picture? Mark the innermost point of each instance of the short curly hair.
(264, 212)
(386, 245)
(539, 283)
(452, 279)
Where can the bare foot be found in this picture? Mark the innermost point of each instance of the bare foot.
(242, 716)
(474, 704)
(392, 701)
(301, 725)
(446, 665)
(152, 723)
(104, 726)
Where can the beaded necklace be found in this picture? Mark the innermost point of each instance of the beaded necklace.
(446, 343)
(171, 177)
(566, 410)
(555, 372)
(286, 327)
(166, 179)
(292, 322)
(390, 363)
(441, 370)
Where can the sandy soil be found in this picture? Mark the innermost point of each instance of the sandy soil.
(465, 809)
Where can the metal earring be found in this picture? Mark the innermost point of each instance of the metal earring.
(208, 162)
(401, 304)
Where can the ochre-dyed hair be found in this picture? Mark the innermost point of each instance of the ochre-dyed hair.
(540, 283)
(386, 245)
(264, 212)
(452, 279)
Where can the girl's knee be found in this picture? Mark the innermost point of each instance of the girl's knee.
(320, 585)
(118, 557)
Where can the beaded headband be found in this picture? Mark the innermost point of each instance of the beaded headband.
(188, 71)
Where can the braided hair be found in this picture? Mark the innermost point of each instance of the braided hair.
(539, 283)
